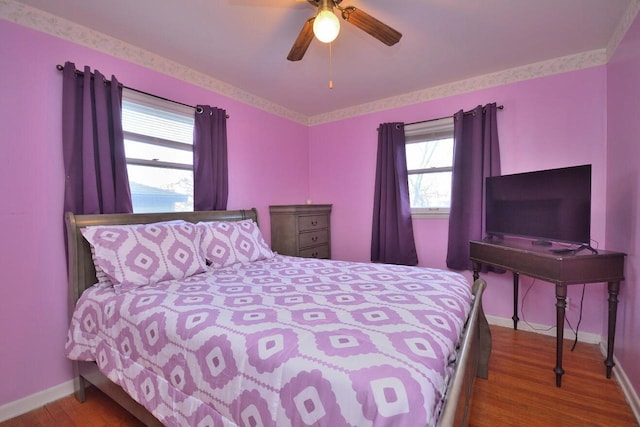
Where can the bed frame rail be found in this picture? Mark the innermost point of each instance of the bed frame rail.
(472, 362)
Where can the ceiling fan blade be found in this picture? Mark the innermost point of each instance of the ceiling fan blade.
(371, 25)
(303, 41)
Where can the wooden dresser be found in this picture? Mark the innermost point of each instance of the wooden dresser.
(301, 230)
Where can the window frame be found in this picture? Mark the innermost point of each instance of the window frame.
(426, 131)
(162, 105)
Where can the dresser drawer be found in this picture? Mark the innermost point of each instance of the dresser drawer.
(312, 222)
(311, 238)
(301, 230)
(315, 252)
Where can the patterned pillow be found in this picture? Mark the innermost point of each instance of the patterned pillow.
(103, 279)
(226, 243)
(137, 255)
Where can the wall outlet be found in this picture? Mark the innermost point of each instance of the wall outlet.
(568, 307)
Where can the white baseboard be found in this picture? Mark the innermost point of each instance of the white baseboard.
(538, 328)
(35, 401)
(625, 384)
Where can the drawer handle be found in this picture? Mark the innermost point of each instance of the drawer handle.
(314, 223)
(314, 239)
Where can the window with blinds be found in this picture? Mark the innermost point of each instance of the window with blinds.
(158, 139)
(429, 148)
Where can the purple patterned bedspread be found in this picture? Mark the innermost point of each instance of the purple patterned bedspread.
(281, 342)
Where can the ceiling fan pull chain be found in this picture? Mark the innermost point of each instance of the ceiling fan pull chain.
(330, 66)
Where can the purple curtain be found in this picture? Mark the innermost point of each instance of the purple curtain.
(93, 144)
(210, 169)
(476, 155)
(392, 236)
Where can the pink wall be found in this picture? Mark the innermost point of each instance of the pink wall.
(547, 122)
(268, 163)
(623, 195)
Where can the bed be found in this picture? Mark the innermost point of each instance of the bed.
(277, 340)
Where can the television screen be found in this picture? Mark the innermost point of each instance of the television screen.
(551, 205)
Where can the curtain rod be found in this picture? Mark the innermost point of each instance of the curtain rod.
(198, 109)
(499, 107)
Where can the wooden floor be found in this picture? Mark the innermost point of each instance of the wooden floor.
(520, 391)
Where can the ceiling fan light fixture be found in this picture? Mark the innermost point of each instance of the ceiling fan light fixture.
(326, 26)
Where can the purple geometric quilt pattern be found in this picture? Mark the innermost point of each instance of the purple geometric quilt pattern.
(360, 345)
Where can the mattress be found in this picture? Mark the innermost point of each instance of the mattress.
(280, 342)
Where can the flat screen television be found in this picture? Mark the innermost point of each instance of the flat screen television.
(546, 206)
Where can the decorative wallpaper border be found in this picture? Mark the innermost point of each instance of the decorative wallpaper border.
(45, 22)
(37, 19)
(531, 71)
(624, 24)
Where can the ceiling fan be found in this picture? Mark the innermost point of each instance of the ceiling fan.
(325, 26)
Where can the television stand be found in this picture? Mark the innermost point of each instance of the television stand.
(521, 257)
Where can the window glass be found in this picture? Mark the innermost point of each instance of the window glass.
(156, 121)
(430, 154)
(430, 190)
(159, 149)
(429, 148)
(160, 190)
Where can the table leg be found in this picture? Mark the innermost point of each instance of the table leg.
(476, 271)
(611, 333)
(561, 303)
(516, 277)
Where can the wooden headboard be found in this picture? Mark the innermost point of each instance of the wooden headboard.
(82, 273)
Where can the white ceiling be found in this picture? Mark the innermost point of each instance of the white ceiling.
(244, 43)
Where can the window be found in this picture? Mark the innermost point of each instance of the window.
(158, 143)
(429, 148)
